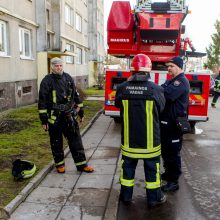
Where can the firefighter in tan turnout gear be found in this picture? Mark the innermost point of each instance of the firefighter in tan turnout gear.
(141, 103)
(58, 105)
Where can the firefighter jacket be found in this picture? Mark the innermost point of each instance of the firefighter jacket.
(176, 92)
(140, 102)
(217, 84)
(57, 94)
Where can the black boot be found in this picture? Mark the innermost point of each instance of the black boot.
(158, 202)
(170, 187)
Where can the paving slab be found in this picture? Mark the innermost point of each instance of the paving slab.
(34, 211)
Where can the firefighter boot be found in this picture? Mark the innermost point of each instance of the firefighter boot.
(170, 187)
(158, 202)
(86, 169)
(60, 169)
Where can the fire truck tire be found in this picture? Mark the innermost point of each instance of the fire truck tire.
(117, 120)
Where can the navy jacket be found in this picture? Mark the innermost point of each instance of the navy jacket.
(176, 92)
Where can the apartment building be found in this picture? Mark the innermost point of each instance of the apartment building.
(34, 31)
(18, 72)
(63, 33)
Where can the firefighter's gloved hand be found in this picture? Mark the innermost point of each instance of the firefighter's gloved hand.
(81, 113)
(44, 118)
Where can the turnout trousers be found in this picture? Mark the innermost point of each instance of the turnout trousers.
(215, 98)
(171, 145)
(72, 134)
(152, 177)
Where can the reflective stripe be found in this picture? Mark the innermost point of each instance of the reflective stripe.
(60, 163)
(164, 122)
(54, 96)
(140, 150)
(41, 111)
(132, 155)
(124, 182)
(81, 163)
(149, 124)
(128, 183)
(156, 184)
(80, 105)
(51, 121)
(175, 141)
(126, 122)
(121, 170)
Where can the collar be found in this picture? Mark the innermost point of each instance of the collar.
(139, 77)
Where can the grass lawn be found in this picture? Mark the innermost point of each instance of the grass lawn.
(21, 137)
(94, 91)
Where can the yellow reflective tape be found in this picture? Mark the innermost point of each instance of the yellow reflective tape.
(126, 122)
(121, 170)
(81, 163)
(128, 183)
(156, 184)
(60, 163)
(54, 94)
(41, 111)
(51, 121)
(140, 150)
(141, 156)
(149, 124)
(80, 105)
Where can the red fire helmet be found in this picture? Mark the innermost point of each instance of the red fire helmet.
(141, 63)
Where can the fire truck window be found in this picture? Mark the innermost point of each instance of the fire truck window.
(196, 87)
(116, 81)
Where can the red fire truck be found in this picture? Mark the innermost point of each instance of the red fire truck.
(154, 29)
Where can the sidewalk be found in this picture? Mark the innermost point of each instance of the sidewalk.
(75, 195)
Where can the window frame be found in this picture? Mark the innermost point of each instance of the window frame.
(78, 22)
(69, 15)
(3, 38)
(25, 53)
(70, 48)
(79, 58)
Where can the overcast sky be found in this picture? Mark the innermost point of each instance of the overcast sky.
(199, 24)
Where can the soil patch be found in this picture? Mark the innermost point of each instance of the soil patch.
(12, 126)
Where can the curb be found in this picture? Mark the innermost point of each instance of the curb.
(10, 208)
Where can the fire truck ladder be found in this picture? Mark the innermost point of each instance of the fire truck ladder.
(171, 6)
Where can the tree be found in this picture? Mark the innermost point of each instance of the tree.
(213, 51)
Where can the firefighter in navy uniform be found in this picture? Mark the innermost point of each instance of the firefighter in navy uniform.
(141, 103)
(58, 105)
(216, 91)
(176, 92)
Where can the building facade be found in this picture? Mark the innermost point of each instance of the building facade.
(96, 40)
(34, 31)
(18, 72)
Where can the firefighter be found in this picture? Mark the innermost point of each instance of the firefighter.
(141, 103)
(59, 104)
(176, 91)
(216, 91)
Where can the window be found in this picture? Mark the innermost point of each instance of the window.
(1, 93)
(26, 89)
(69, 15)
(79, 55)
(69, 59)
(25, 43)
(78, 23)
(48, 15)
(3, 38)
